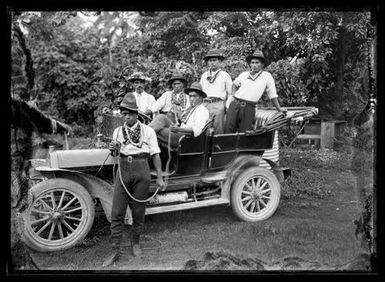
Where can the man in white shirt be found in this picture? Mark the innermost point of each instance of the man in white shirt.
(192, 122)
(247, 89)
(143, 99)
(172, 103)
(134, 143)
(217, 84)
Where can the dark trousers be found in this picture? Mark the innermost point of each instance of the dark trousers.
(136, 177)
(239, 117)
(163, 136)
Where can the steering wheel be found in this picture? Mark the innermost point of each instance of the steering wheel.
(143, 118)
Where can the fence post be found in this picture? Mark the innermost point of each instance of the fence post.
(327, 134)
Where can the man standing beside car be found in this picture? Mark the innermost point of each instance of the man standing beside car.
(134, 143)
(247, 89)
(217, 84)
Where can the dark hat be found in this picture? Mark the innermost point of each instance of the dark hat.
(129, 103)
(214, 53)
(196, 86)
(137, 76)
(256, 55)
(176, 76)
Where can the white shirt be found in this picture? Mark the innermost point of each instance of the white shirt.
(144, 100)
(148, 138)
(164, 102)
(252, 90)
(197, 120)
(218, 88)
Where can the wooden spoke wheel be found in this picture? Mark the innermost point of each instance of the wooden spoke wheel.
(255, 194)
(61, 215)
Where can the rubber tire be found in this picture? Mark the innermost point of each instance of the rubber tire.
(80, 233)
(237, 188)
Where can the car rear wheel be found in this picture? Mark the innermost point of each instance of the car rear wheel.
(60, 216)
(255, 194)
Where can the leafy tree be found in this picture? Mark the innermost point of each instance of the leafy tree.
(111, 26)
(69, 70)
(84, 69)
(25, 119)
(330, 41)
(174, 35)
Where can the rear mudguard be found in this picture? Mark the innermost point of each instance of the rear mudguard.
(240, 164)
(97, 187)
(280, 173)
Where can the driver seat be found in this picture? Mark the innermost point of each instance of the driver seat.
(186, 143)
(185, 138)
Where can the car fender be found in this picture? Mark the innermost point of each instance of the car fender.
(240, 164)
(97, 187)
(278, 171)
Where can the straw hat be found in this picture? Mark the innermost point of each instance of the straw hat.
(137, 76)
(176, 76)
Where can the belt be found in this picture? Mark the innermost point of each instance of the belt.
(212, 99)
(244, 102)
(129, 158)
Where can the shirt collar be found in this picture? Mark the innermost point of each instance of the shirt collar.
(134, 126)
(178, 92)
(214, 73)
(253, 77)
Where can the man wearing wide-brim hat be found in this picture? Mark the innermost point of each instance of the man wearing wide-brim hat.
(172, 102)
(143, 99)
(133, 143)
(217, 83)
(214, 53)
(247, 89)
(192, 121)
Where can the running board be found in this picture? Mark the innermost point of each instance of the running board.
(164, 173)
(186, 206)
(215, 177)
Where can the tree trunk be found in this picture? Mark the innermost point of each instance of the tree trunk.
(364, 161)
(20, 148)
(340, 71)
(331, 104)
(24, 120)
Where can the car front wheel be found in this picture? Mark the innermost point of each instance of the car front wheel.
(255, 194)
(60, 216)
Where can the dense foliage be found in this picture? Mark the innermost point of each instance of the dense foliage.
(82, 68)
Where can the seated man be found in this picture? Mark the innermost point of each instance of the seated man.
(172, 102)
(192, 120)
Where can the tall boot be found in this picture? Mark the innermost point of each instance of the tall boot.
(136, 249)
(111, 259)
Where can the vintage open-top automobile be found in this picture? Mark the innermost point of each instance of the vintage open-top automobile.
(211, 169)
